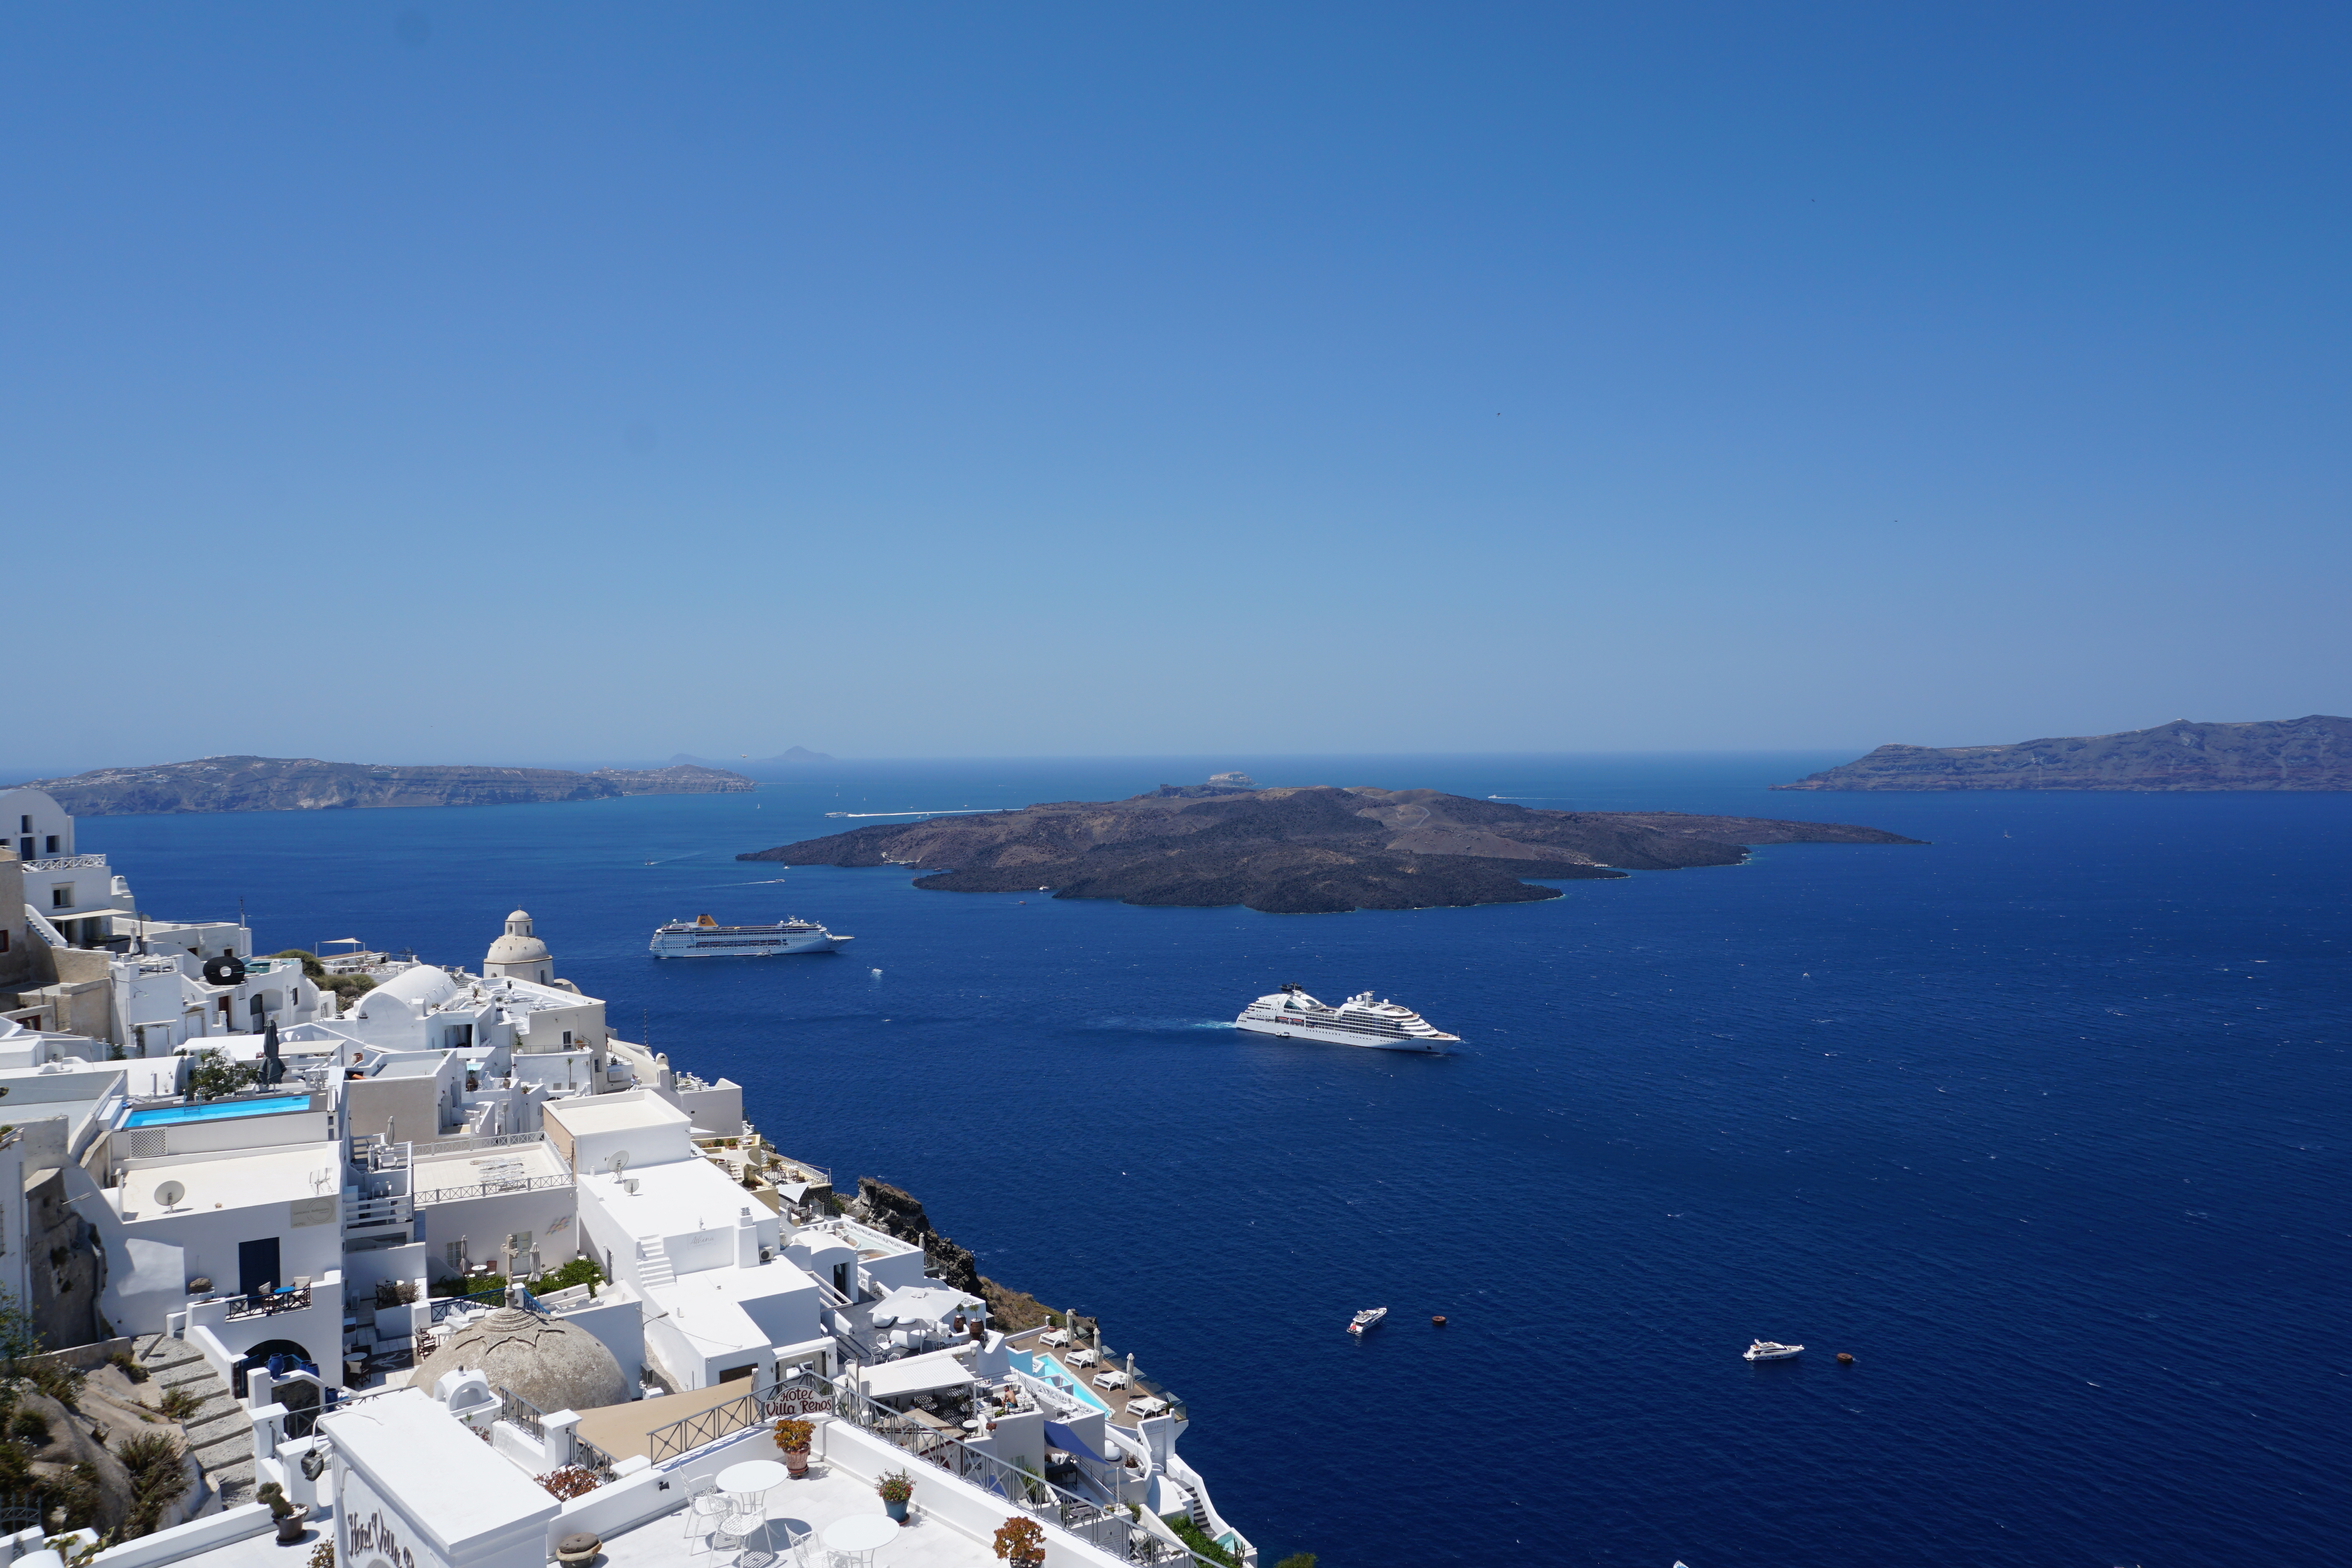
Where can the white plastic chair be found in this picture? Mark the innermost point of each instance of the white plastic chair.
(706, 1511)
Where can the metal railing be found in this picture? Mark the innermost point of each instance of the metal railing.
(516, 1411)
(1108, 1527)
(588, 1456)
(802, 1395)
(269, 1306)
(470, 1142)
(491, 1188)
(480, 1301)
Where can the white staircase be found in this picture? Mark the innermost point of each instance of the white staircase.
(653, 1265)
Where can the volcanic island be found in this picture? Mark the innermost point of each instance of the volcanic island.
(1316, 850)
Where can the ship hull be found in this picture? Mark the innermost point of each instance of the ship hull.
(781, 946)
(1280, 1030)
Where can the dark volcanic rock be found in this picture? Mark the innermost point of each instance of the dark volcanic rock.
(307, 784)
(2313, 753)
(1305, 850)
(896, 1212)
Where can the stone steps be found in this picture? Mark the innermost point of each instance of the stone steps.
(220, 1434)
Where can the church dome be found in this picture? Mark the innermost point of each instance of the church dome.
(517, 945)
(552, 1364)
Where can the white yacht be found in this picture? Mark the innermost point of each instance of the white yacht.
(1291, 1014)
(1769, 1350)
(1368, 1317)
(703, 937)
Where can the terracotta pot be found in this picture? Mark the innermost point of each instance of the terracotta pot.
(289, 1529)
(796, 1462)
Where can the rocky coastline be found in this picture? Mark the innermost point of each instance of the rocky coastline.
(2310, 753)
(307, 784)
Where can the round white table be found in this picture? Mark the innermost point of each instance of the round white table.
(860, 1536)
(751, 1478)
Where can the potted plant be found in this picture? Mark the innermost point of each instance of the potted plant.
(897, 1489)
(1022, 1542)
(288, 1517)
(793, 1440)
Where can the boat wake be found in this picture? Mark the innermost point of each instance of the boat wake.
(1159, 1025)
(946, 811)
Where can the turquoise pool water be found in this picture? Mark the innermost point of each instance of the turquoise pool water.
(218, 1112)
(1045, 1367)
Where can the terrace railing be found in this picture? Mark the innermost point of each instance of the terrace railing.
(1110, 1528)
(292, 1301)
(472, 1142)
(802, 1395)
(516, 1411)
(492, 1189)
(480, 1301)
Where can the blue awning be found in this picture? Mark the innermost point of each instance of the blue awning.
(1061, 1436)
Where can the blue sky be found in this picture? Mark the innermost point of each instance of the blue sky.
(527, 383)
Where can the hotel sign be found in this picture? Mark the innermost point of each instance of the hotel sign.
(374, 1534)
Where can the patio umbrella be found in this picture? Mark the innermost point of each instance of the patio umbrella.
(272, 1069)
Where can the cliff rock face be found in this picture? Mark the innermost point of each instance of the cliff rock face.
(307, 784)
(677, 778)
(1300, 851)
(2313, 753)
(896, 1212)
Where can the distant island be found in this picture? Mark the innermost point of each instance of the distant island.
(2313, 753)
(1316, 850)
(307, 784)
(791, 758)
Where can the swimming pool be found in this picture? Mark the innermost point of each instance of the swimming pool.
(219, 1110)
(1046, 1369)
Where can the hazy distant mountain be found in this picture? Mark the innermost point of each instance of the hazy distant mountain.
(307, 784)
(2312, 753)
(785, 764)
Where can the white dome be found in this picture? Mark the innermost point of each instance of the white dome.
(517, 947)
(554, 1364)
(419, 989)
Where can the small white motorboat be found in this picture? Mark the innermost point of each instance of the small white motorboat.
(1771, 1350)
(1366, 1318)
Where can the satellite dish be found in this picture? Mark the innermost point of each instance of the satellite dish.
(619, 1162)
(226, 970)
(170, 1193)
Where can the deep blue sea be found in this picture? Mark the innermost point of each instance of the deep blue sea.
(2046, 1123)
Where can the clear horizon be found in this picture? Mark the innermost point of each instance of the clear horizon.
(399, 381)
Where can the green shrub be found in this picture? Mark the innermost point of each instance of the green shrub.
(61, 1382)
(157, 1480)
(180, 1404)
(211, 1074)
(578, 1271)
(122, 1361)
(1190, 1535)
(30, 1426)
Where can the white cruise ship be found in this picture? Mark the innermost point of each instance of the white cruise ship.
(703, 937)
(1291, 1014)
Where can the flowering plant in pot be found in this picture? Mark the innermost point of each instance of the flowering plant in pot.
(897, 1489)
(793, 1440)
(1022, 1542)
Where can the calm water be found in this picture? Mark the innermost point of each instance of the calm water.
(2046, 1124)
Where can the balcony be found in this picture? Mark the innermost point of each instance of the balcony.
(68, 862)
